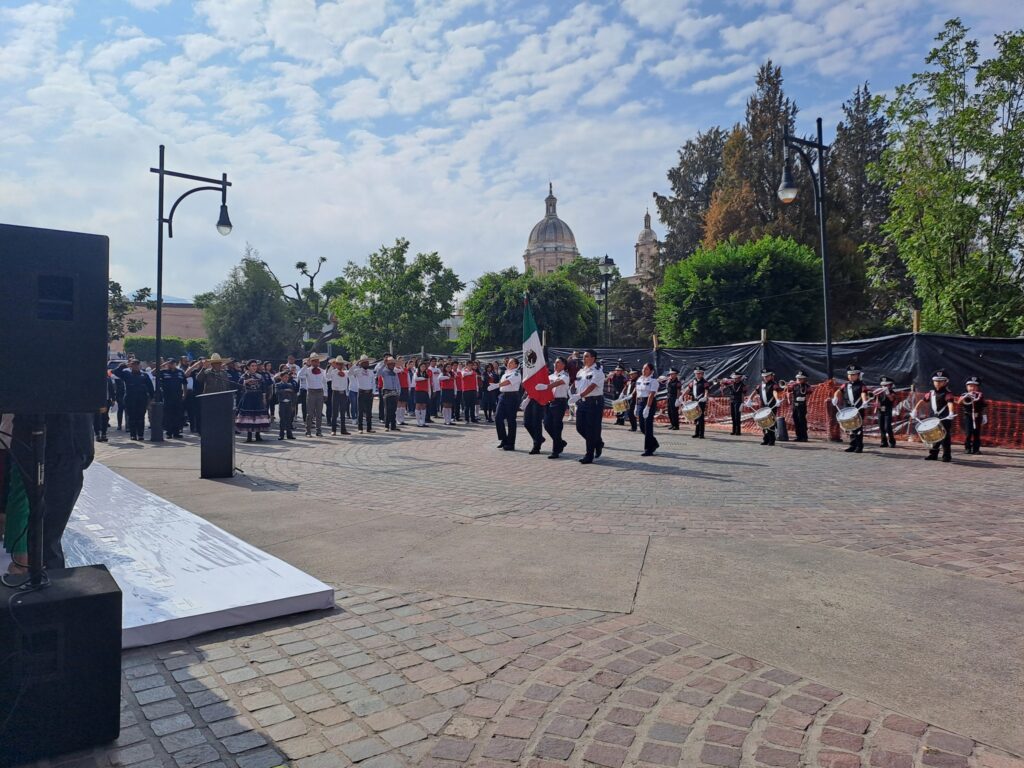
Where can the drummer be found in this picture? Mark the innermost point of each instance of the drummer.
(768, 395)
(698, 392)
(941, 401)
(646, 405)
(853, 395)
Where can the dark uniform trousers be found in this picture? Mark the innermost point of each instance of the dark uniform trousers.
(589, 412)
(469, 405)
(339, 405)
(505, 418)
(768, 435)
(857, 439)
(389, 397)
(173, 414)
(286, 415)
(533, 420)
(736, 412)
(698, 425)
(365, 405)
(885, 426)
(946, 444)
(800, 421)
(972, 430)
(647, 425)
(135, 407)
(554, 420)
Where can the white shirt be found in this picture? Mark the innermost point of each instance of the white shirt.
(316, 380)
(301, 377)
(510, 381)
(588, 376)
(435, 378)
(645, 386)
(562, 376)
(364, 378)
(338, 379)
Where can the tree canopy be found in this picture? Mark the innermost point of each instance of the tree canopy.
(246, 316)
(729, 293)
(493, 311)
(394, 302)
(119, 307)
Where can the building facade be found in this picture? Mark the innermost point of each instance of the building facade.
(551, 243)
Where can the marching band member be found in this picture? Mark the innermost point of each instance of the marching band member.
(590, 410)
(646, 405)
(508, 405)
(629, 395)
(973, 408)
(698, 391)
(941, 402)
(673, 388)
(554, 415)
(885, 400)
(768, 395)
(852, 395)
(799, 391)
(615, 383)
(737, 396)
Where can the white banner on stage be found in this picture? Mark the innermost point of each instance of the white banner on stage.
(180, 575)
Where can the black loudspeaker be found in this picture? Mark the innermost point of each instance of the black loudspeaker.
(60, 665)
(53, 303)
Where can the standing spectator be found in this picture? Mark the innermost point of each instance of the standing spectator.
(337, 382)
(252, 414)
(138, 392)
(364, 379)
(316, 391)
(287, 393)
(390, 386)
(101, 419)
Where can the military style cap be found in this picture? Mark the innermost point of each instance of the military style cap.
(698, 369)
(940, 375)
(766, 372)
(852, 368)
(801, 375)
(885, 380)
(974, 380)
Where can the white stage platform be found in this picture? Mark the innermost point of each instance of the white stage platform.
(180, 575)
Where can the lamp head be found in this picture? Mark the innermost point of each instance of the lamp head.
(224, 222)
(787, 189)
(606, 265)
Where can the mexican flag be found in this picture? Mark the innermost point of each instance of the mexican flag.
(535, 367)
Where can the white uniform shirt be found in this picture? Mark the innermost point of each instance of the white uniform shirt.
(316, 380)
(510, 382)
(435, 379)
(562, 392)
(365, 379)
(301, 377)
(338, 379)
(645, 386)
(588, 376)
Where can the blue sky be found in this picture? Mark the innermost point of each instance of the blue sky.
(346, 124)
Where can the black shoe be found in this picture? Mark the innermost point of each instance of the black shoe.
(369, 430)
(929, 457)
(280, 437)
(694, 436)
(859, 450)
(632, 429)
(587, 460)
(647, 453)
(885, 445)
(248, 439)
(501, 445)
(563, 446)
(395, 429)
(598, 450)
(334, 431)
(850, 449)
(319, 433)
(509, 448)
(259, 438)
(344, 432)
(291, 436)
(947, 459)
(553, 455)
(535, 450)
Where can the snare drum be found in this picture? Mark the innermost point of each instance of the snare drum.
(931, 430)
(849, 419)
(691, 411)
(765, 418)
(620, 406)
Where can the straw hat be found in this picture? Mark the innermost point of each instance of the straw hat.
(340, 360)
(215, 358)
(314, 357)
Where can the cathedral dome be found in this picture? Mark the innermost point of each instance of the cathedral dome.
(646, 234)
(551, 233)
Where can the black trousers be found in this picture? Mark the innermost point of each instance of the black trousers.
(673, 413)
(120, 412)
(469, 405)
(972, 432)
(857, 439)
(365, 405)
(800, 422)
(554, 421)
(945, 445)
(651, 443)
(328, 401)
(885, 426)
(192, 412)
(589, 412)
(173, 412)
(100, 422)
(339, 406)
(533, 420)
(136, 414)
(698, 425)
(286, 415)
(389, 398)
(768, 435)
(505, 419)
(736, 411)
(63, 486)
(302, 402)
(435, 404)
(631, 415)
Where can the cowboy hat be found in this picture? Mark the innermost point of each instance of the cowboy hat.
(365, 359)
(215, 358)
(340, 360)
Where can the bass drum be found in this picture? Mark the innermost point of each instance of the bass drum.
(765, 418)
(849, 419)
(931, 430)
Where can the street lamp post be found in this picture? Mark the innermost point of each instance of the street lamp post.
(606, 267)
(156, 418)
(788, 193)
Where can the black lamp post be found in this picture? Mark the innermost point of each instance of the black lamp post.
(606, 267)
(156, 417)
(788, 193)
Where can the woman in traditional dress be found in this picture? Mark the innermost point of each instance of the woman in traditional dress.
(252, 414)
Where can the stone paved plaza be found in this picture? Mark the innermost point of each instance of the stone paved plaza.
(722, 604)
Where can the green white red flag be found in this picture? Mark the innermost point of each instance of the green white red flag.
(535, 367)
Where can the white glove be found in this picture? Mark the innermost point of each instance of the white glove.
(647, 412)
(984, 419)
(541, 387)
(573, 399)
(490, 387)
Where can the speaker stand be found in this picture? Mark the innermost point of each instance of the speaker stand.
(36, 501)
(156, 420)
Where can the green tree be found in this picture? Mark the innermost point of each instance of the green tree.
(954, 171)
(693, 182)
(632, 313)
(119, 307)
(246, 316)
(493, 311)
(393, 301)
(770, 113)
(309, 306)
(586, 274)
(729, 293)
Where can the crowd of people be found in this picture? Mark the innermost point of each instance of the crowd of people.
(315, 394)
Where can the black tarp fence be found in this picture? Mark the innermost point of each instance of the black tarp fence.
(909, 359)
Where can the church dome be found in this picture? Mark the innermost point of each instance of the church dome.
(551, 233)
(646, 234)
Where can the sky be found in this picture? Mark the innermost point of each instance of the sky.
(346, 124)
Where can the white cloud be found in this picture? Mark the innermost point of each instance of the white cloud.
(148, 5)
(115, 55)
(724, 81)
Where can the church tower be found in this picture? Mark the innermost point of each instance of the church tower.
(646, 249)
(551, 242)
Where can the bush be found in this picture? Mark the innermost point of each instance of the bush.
(144, 347)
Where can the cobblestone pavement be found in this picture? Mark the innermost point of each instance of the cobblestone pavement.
(417, 679)
(962, 517)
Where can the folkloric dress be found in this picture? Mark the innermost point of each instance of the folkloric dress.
(252, 413)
